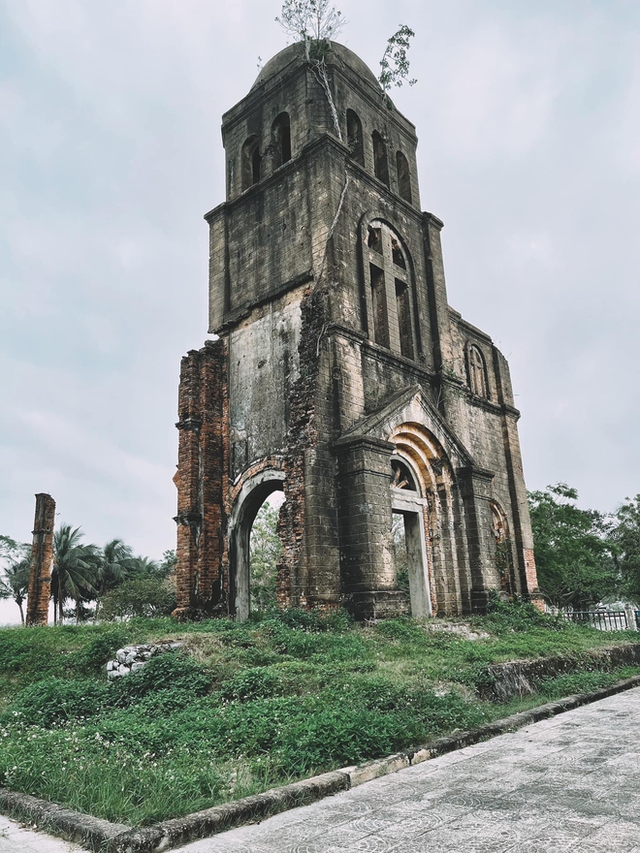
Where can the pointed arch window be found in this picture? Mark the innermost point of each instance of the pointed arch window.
(380, 162)
(404, 177)
(281, 139)
(477, 372)
(391, 307)
(354, 137)
(250, 162)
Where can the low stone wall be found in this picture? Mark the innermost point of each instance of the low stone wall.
(503, 681)
(133, 658)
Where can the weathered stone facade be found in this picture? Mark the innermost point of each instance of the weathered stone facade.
(340, 373)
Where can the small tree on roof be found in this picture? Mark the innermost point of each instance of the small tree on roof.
(310, 19)
(394, 65)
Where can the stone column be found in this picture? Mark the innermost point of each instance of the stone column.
(368, 566)
(41, 561)
(475, 489)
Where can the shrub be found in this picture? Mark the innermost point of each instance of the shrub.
(169, 671)
(54, 701)
(143, 596)
(251, 684)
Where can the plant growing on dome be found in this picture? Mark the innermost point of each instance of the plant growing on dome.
(306, 20)
(394, 64)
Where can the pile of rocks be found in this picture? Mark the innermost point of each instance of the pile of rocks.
(133, 658)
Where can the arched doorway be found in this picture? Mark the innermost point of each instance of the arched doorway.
(409, 539)
(437, 504)
(252, 496)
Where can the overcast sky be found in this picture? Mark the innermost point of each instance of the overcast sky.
(528, 115)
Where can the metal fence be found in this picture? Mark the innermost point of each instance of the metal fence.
(606, 620)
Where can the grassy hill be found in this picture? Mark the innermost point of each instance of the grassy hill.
(247, 706)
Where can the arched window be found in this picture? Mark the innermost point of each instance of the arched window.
(250, 162)
(354, 137)
(503, 551)
(281, 139)
(380, 163)
(477, 371)
(391, 303)
(404, 178)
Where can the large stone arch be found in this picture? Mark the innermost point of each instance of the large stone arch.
(253, 493)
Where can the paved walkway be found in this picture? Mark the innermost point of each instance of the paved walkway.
(567, 784)
(571, 783)
(15, 838)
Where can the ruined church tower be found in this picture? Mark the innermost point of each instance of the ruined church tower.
(340, 374)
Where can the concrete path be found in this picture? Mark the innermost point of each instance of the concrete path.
(16, 838)
(571, 783)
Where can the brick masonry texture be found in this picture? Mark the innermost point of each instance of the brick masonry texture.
(41, 561)
(338, 359)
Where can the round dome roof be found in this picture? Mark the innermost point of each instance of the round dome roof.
(338, 54)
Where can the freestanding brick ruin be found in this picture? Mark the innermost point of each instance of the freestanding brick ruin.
(340, 374)
(41, 561)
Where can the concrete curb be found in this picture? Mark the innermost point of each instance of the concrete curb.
(101, 835)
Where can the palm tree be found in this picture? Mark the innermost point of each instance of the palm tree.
(15, 582)
(75, 570)
(115, 564)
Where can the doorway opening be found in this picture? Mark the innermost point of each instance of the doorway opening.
(253, 528)
(265, 549)
(409, 539)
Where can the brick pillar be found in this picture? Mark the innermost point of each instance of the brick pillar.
(41, 561)
(475, 489)
(201, 480)
(368, 569)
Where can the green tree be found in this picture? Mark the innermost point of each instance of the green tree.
(265, 549)
(76, 568)
(305, 20)
(394, 65)
(572, 551)
(139, 596)
(14, 581)
(625, 542)
(115, 561)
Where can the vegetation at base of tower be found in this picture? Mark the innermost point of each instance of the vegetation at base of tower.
(251, 705)
(14, 581)
(394, 65)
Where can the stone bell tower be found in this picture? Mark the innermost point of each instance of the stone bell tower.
(339, 374)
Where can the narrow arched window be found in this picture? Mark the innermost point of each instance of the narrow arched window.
(250, 162)
(404, 178)
(379, 306)
(390, 296)
(403, 306)
(281, 139)
(380, 163)
(477, 371)
(354, 137)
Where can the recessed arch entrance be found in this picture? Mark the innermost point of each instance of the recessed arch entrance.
(253, 494)
(410, 545)
(435, 501)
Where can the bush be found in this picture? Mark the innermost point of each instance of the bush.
(169, 671)
(251, 684)
(142, 596)
(52, 702)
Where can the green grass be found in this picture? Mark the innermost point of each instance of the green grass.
(250, 705)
